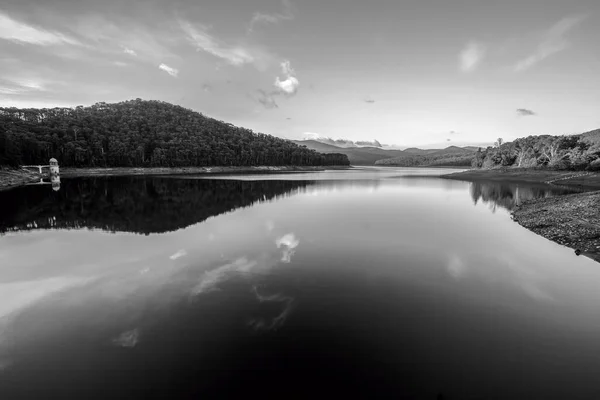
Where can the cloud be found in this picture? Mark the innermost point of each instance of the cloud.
(266, 99)
(127, 50)
(169, 70)
(16, 31)
(552, 41)
(207, 88)
(373, 143)
(369, 100)
(454, 133)
(311, 136)
(523, 112)
(261, 18)
(120, 63)
(20, 86)
(178, 254)
(205, 42)
(471, 56)
(288, 86)
(448, 140)
(346, 143)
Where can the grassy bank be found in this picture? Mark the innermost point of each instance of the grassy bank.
(79, 172)
(10, 178)
(581, 179)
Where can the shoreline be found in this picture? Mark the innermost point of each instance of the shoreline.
(13, 178)
(571, 220)
(576, 179)
(151, 171)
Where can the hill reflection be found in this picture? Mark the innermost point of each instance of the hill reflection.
(141, 205)
(510, 195)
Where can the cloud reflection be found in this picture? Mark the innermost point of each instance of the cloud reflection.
(211, 279)
(128, 338)
(288, 243)
(266, 324)
(456, 267)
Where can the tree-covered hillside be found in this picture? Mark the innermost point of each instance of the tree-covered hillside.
(140, 133)
(449, 157)
(575, 152)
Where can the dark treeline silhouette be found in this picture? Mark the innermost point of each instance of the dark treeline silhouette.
(140, 133)
(132, 204)
(509, 195)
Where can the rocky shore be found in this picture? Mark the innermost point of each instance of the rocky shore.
(571, 220)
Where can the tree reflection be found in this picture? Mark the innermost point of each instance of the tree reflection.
(510, 195)
(133, 204)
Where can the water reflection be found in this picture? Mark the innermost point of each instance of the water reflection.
(510, 195)
(133, 204)
(351, 289)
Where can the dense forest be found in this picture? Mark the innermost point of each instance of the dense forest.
(574, 152)
(141, 205)
(140, 133)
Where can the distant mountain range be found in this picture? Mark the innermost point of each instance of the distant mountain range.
(373, 155)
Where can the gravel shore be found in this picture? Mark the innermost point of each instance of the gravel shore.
(571, 220)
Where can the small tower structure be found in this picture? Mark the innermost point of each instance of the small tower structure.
(54, 170)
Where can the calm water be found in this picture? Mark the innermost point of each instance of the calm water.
(363, 284)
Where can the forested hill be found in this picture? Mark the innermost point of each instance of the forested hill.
(140, 133)
(574, 152)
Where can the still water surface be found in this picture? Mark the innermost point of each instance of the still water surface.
(358, 284)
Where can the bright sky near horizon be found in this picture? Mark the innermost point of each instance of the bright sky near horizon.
(407, 73)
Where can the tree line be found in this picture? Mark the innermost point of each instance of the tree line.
(139, 133)
(567, 152)
(459, 159)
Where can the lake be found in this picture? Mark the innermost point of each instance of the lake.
(359, 284)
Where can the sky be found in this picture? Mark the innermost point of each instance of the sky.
(407, 73)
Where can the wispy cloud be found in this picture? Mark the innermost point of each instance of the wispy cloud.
(16, 31)
(289, 85)
(551, 42)
(471, 56)
(369, 100)
(20, 86)
(524, 112)
(267, 100)
(127, 50)
(169, 70)
(206, 42)
(261, 18)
